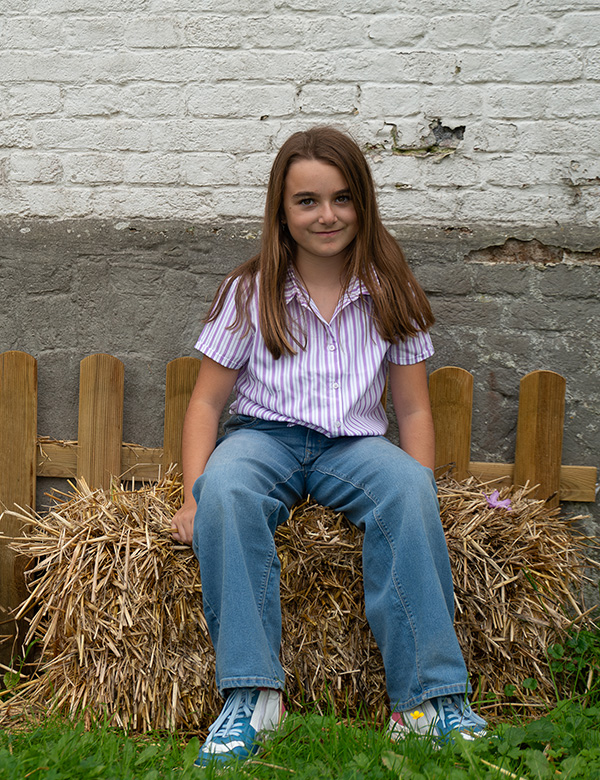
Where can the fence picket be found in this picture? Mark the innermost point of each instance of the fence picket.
(100, 432)
(540, 432)
(181, 378)
(451, 394)
(18, 437)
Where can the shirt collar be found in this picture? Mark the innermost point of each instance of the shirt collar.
(294, 289)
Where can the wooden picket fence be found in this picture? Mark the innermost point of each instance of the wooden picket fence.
(99, 453)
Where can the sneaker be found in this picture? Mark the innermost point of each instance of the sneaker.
(439, 718)
(248, 713)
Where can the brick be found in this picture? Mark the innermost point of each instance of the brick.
(253, 169)
(544, 101)
(518, 101)
(398, 171)
(559, 135)
(71, 7)
(152, 168)
(209, 135)
(239, 200)
(458, 30)
(530, 66)
(328, 99)
(495, 137)
(151, 100)
(500, 280)
(93, 168)
(154, 32)
(453, 171)
(570, 282)
(92, 134)
(33, 99)
(95, 33)
(234, 7)
(241, 100)
(431, 67)
(329, 33)
(389, 100)
(447, 279)
(46, 200)
(16, 133)
(397, 30)
(467, 311)
(95, 100)
(579, 29)
(511, 30)
(152, 202)
(452, 102)
(205, 170)
(522, 170)
(30, 33)
(338, 7)
(592, 64)
(34, 168)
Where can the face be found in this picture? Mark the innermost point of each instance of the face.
(318, 211)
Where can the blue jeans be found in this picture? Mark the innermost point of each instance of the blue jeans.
(257, 472)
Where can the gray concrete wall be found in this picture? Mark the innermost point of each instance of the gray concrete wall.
(507, 302)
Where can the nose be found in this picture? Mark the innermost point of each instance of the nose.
(327, 215)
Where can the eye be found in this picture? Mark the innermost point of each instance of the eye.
(343, 198)
(306, 201)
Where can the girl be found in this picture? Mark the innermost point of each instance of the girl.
(305, 333)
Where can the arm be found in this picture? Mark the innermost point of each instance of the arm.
(410, 396)
(213, 387)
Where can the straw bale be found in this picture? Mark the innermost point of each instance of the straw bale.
(116, 607)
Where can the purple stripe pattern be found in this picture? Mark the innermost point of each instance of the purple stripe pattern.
(334, 385)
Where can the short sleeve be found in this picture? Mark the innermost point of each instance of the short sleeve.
(414, 350)
(218, 341)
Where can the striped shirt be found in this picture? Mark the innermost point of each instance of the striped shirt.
(334, 385)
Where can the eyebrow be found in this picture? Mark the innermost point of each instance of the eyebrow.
(344, 191)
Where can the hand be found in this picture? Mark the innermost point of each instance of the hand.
(182, 523)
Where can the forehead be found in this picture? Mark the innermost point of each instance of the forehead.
(314, 176)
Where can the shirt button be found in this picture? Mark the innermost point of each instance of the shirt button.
(335, 385)
(331, 347)
(338, 424)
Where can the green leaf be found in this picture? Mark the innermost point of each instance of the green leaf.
(538, 764)
(191, 752)
(146, 754)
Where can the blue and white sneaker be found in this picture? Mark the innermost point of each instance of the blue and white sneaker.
(439, 718)
(247, 715)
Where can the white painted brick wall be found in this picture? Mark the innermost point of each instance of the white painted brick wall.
(174, 108)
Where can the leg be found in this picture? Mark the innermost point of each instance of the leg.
(407, 577)
(246, 491)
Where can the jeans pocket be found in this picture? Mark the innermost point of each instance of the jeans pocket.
(237, 421)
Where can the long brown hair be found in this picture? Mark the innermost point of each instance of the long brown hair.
(400, 307)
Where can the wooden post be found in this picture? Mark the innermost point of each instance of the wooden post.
(451, 394)
(181, 378)
(18, 461)
(540, 433)
(100, 433)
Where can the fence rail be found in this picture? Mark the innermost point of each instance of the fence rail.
(99, 453)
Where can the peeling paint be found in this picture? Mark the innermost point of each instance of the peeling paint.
(533, 252)
(440, 142)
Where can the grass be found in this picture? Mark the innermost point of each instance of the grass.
(564, 743)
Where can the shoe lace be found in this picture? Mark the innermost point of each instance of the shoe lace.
(232, 720)
(456, 713)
